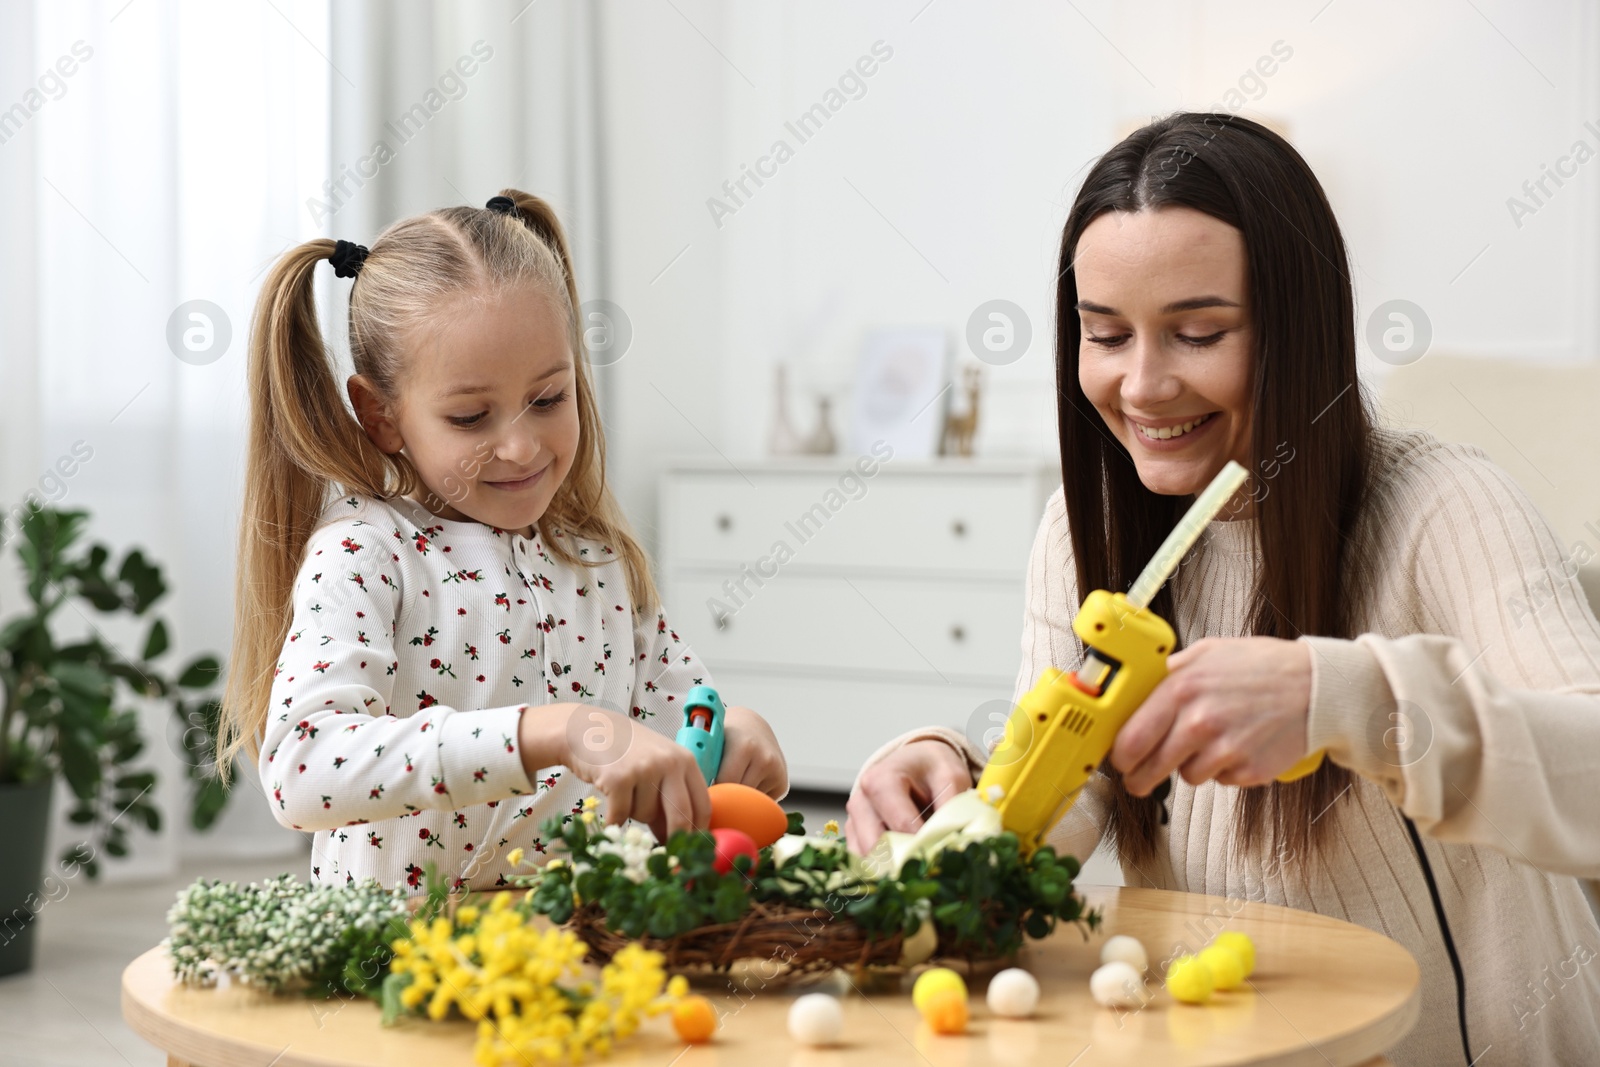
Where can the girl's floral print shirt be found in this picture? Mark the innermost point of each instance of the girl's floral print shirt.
(415, 645)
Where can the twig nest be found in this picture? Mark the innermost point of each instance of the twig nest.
(1125, 949)
(1117, 985)
(1013, 993)
(816, 1019)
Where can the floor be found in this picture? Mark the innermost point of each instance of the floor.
(66, 1012)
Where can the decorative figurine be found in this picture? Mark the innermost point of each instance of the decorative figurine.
(959, 429)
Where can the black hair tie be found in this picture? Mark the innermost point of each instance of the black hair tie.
(347, 259)
(503, 205)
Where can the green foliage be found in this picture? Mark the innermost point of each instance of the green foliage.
(286, 935)
(983, 898)
(63, 710)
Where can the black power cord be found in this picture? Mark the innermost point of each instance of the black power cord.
(1444, 928)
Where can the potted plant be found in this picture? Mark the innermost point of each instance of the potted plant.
(65, 712)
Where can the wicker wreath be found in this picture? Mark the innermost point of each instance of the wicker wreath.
(805, 941)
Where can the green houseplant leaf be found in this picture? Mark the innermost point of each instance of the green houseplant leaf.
(62, 709)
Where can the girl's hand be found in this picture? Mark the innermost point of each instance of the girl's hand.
(751, 754)
(642, 774)
(1232, 708)
(897, 791)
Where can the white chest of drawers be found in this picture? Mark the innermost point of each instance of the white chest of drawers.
(847, 607)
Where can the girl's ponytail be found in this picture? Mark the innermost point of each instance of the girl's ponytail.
(303, 444)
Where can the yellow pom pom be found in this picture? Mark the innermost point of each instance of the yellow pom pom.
(1227, 969)
(1190, 980)
(1242, 947)
(514, 857)
(932, 981)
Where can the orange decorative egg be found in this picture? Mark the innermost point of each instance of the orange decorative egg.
(739, 807)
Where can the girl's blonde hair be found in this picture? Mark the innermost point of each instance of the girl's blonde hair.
(306, 447)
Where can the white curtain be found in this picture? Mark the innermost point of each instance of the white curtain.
(189, 146)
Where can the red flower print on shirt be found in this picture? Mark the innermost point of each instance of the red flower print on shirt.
(376, 793)
(480, 774)
(438, 785)
(504, 636)
(501, 600)
(413, 875)
(426, 700)
(351, 545)
(321, 666)
(441, 667)
(305, 729)
(373, 839)
(421, 543)
(430, 837)
(427, 638)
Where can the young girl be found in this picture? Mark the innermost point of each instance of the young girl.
(444, 627)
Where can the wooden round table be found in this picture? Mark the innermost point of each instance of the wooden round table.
(1325, 994)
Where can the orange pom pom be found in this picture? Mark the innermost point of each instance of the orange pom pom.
(946, 1012)
(694, 1019)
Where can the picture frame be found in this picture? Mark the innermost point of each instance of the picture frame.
(902, 391)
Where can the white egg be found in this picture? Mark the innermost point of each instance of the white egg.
(1118, 985)
(1013, 993)
(1125, 949)
(816, 1019)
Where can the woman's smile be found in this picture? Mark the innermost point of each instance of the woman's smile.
(1172, 434)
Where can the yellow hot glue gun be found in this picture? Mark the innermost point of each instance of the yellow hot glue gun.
(1063, 727)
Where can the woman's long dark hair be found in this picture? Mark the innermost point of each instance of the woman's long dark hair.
(1304, 393)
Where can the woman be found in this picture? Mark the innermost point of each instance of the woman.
(1355, 599)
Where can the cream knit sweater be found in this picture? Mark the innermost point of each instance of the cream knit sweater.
(1476, 631)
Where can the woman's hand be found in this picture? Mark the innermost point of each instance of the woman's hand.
(642, 774)
(751, 754)
(1232, 708)
(896, 792)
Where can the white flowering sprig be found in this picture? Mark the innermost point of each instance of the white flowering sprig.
(633, 843)
(283, 934)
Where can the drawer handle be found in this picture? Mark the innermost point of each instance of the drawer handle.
(958, 528)
(957, 633)
(724, 522)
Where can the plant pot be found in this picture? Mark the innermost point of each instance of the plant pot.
(24, 827)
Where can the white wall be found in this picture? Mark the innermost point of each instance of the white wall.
(1420, 119)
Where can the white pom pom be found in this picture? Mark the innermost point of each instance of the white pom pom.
(1118, 985)
(1013, 993)
(816, 1019)
(1125, 949)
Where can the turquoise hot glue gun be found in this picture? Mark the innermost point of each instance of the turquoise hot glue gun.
(701, 732)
